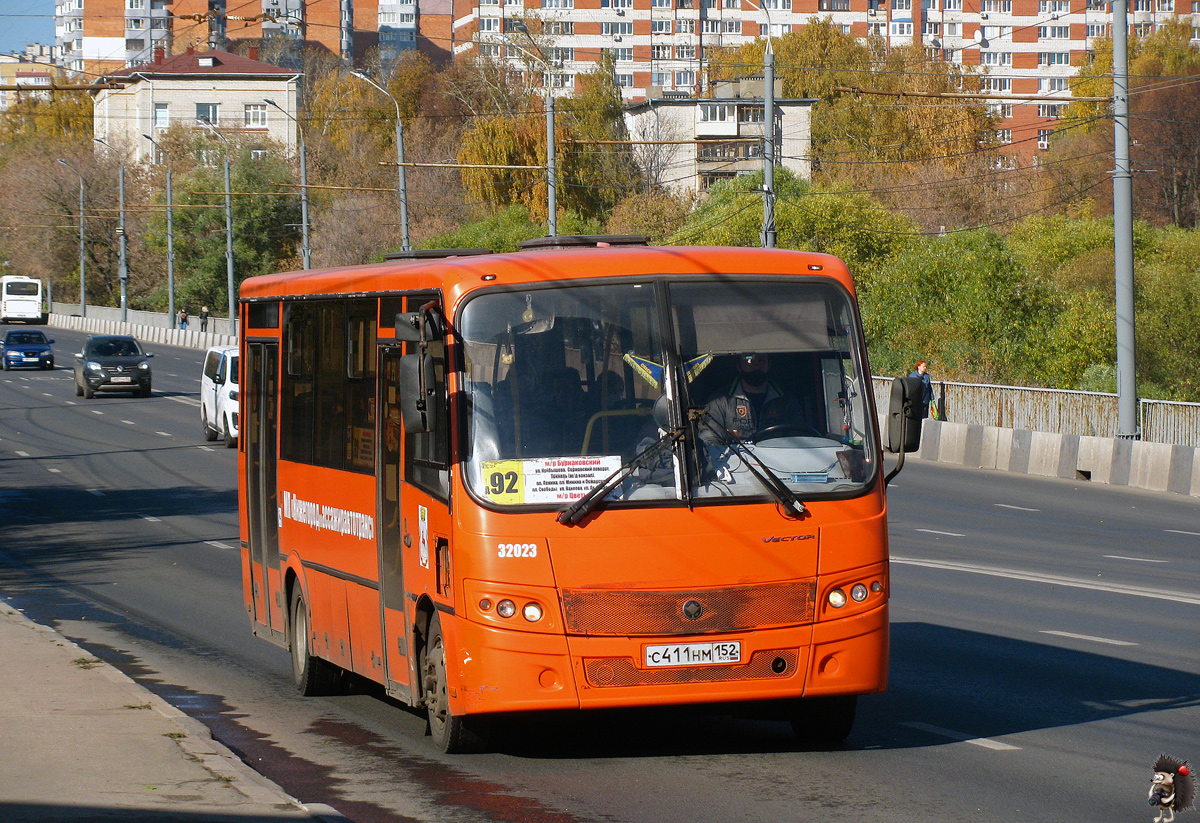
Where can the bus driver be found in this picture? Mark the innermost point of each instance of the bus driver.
(752, 404)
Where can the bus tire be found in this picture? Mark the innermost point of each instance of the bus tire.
(451, 733)
(312, 675)
(824, 721)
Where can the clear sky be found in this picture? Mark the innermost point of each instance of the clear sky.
(25, 21)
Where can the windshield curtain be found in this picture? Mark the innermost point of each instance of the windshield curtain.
(559, 385)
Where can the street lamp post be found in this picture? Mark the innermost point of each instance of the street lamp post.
(170, 235)
(551, 162)
(768, 227)
(306, 247)
(122, 258)
(82, 254)
(228, 228)
(402, 181)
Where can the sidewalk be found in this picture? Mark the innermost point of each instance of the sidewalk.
(80, 741)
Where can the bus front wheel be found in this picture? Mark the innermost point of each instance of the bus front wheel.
(313, 676)
(824, 721)
(451, 733)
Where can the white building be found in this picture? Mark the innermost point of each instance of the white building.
(223, 89)
(687, 143)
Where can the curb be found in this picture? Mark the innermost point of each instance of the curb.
(197, 741)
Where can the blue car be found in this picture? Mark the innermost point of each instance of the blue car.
(27, 348)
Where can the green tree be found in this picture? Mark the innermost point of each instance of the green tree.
(504, 229)
(833, 219)
(266, 217)
(1168, 317)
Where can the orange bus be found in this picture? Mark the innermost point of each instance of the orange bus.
(588, 474)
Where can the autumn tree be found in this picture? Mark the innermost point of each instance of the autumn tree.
(1164, 106)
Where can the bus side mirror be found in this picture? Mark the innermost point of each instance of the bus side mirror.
(420, 406)
(408, 325)
(904, 415)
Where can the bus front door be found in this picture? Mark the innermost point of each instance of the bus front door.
(389, 536)
(259, 431)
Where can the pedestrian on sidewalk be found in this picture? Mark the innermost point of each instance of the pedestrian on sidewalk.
(204, 318)
(183, 319)
(921, 370)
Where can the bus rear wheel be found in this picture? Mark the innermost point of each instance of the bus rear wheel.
(824, 721)
(312, 675)
(451, 733)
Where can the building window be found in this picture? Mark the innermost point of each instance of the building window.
(715, 113)
(623, 27)
(1051, 84)
(995, 58)
(258, 154)
(1166, 5)
(558, 4)
(135, 23)
(876, 29)
(901, 5)
(489, 24)
(661, 4)
(1003, 135)
(134, 44)
(660, 52)
(1097, 30)
(1143, 29)
(833, 5)
(135, 4)
(995, 84)
(624, 81)
(660, 26)
(1044, 138)
(560, 27)
(1054, 32)
(1054, 58)
(660, 78)
(932, 29)
(685, 52)
(256, 116)
(903, 28)
(685, 79)
(616, 4)
(777, 4)
(1054, 6)
(206, 113)
(952, 5)
(996, 6)
(1050, 110)
(685, 26)
(1001, 111)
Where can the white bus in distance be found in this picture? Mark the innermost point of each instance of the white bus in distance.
(20, 299)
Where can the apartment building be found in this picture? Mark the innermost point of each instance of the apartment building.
(23, 75)
(216, 87)
(1026, 48)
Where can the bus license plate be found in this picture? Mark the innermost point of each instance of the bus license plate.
(122, 379)
(694, 654)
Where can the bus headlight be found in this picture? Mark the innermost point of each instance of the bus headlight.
(506, 608)
(532, 612)
(837, 598)
(858, 593)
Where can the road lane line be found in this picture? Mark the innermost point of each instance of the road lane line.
(1018, 508)
(164, 434)
(1053, 580)
(985, 742)
(97, 412)
(190, 401)
(1089, 637)
(96, 492)
(218, 544)
(129, 422)
(1178, 531)
(22, 454)
(1135, 559)
(947, 534)
(149, 519)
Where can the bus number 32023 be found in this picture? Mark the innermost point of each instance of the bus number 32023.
(517, 549)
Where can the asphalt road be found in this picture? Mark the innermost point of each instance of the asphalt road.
(1043, 649)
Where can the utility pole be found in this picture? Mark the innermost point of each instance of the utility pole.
(228, 229)
(1127, 426)
(402, 180)
(122, 258)
(306, 246)
(82, 246)
(551, 174)
(170, 235)
(767, 236)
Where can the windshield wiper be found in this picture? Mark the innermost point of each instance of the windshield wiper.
(580, 508)
(759, 469)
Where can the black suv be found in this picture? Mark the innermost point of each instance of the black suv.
(112, 362)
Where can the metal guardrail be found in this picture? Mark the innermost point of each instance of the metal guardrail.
(1062, 411)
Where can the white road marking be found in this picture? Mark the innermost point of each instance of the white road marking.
(1136, 559)
(129, 422)
(54, 471)
(1178, 531)
(97, 412)
(47, 394)
(164, 434)
(191, 401)
(96, 492)
(218, 544)
(985, 742)
(947, 534)
(149, 519)
(206, 448)
(1053, 580)
(1090, 638)
(22, 454)
(1018, 508)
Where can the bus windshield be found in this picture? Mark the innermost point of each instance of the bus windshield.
(761, 379)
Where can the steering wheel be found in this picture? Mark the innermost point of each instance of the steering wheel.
(784, 430)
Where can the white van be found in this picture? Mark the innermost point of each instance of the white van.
(219, 394)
